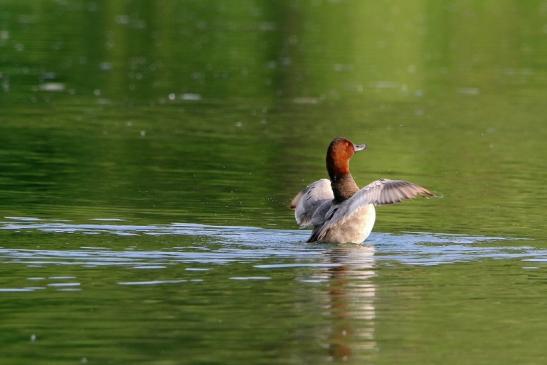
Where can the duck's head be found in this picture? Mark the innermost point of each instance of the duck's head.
(340, 151)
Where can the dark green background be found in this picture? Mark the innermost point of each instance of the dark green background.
(218, 112)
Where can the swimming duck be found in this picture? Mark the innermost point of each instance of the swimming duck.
(337, 209)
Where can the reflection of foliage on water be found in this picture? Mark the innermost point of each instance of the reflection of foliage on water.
(215, 113)
(142, 50)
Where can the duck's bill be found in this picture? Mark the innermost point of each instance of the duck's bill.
(360, 147)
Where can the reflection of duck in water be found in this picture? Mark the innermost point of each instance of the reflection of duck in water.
(336, 209)
(351, 292)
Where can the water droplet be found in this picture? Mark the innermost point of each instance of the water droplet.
(305, 100)
(52, 86)
(190, 97)
(105, 66)
(469, 91)
(122, 19)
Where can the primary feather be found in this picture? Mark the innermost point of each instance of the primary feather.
(378, 192)
(306, 202)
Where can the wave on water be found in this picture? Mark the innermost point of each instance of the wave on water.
(225, 244)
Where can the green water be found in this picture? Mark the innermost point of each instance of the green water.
(149, 150)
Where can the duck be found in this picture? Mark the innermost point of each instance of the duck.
(336, 209)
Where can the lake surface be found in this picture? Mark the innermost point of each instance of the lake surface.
(149, 150)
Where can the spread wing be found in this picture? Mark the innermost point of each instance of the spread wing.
(306, 202)
(378, 192)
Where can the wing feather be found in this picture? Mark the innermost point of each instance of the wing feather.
(378, 192)
(307, 202)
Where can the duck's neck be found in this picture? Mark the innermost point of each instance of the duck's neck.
(343, 186)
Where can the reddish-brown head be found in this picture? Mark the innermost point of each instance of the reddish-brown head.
(340, 151)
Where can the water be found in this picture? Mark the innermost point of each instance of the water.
(148, 153)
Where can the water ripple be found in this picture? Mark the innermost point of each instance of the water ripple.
(253, 245)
